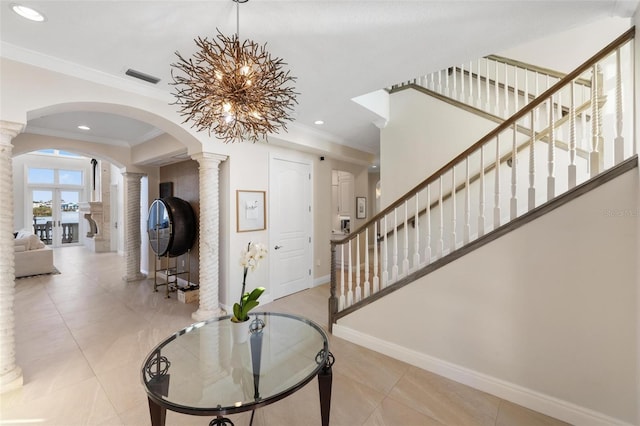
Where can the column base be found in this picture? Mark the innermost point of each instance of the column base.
(205, 314)
(135, 277)
(11, 380)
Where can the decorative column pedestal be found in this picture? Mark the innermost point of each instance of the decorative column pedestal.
(10, 373)
(132, 227)
(209, 236)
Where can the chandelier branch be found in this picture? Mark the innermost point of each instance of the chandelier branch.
(237, 91)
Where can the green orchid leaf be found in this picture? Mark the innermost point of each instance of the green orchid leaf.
(249, 306)
(237, 312)
(256, 293)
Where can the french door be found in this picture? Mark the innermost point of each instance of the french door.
(56, 216)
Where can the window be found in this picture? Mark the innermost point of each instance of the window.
(37, 176)
(70, 177)
(41, 176)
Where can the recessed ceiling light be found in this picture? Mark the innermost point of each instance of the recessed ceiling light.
(28, 13)
(83, 127)
(318, 122)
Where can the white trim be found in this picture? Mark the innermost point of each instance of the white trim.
(529, 398)
(321, 280)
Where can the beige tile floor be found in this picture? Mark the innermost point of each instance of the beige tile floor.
(81, 337)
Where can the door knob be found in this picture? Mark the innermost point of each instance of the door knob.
(277, 247)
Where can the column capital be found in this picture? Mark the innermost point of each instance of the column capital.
(11, 128)
(202, 157)
(133, 175)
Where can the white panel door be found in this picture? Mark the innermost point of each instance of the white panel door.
(291, 227)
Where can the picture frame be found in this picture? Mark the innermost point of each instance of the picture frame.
(250, 210)
(165, 189)
(361, 207)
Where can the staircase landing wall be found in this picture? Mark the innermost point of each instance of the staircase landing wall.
(545, 316)
(422, 135)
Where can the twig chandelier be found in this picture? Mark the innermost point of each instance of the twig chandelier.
(237, 91)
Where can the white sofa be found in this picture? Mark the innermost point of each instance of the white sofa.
(32, 256)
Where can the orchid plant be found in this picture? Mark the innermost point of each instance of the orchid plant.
(249, 260)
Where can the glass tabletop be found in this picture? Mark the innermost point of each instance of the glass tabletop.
(202, 369)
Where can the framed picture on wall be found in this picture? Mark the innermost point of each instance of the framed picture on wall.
(361, 207)
(250, 211)
(166, 189)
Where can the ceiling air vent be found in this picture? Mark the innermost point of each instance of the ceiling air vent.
(142, 76)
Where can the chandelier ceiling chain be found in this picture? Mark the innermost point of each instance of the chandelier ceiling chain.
(235, 90)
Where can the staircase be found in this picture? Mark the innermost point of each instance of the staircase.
(555, 151)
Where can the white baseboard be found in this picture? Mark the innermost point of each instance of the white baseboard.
(321, 280)
(525, 397)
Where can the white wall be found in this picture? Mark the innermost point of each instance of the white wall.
(571, 47)
(545, 316)
(247, 168)
(423, 135)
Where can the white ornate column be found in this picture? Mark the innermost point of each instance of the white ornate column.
(132, 227)
(209, 236)
(10, 373)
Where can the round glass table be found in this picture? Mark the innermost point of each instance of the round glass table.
(207, 370)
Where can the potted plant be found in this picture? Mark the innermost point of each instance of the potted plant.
(249, 260)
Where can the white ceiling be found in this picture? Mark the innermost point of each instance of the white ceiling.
(337, 49)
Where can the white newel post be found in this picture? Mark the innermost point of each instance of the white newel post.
(132, 227)
(209, 236)
(10, 373)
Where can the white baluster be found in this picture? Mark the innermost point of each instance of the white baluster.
(478, 79)
(367, 284)
(514, 176)
(486, 83)
(394, 257)
(532, 163)
(440, 81)
(516, 95)
(358, 288)
(441, 242)
(405, 260)
(506, 91)
(453, 244)
(431, 85)
(496, 196)
(551, 179)
(416, 232)
(447, 91)
(376, 279)
(526, 88)
(341, 301)
(597, 153)
(496, 90)
(427, 250)
(481, 207)
(619, 140)
(454, 73)
(463, 92)
(350, 278)
(572, 138)
(537, 110)
(560, 130)
(467, 204)
(385, 258)
(471, 83)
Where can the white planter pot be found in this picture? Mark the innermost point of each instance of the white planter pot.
(240, 331)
